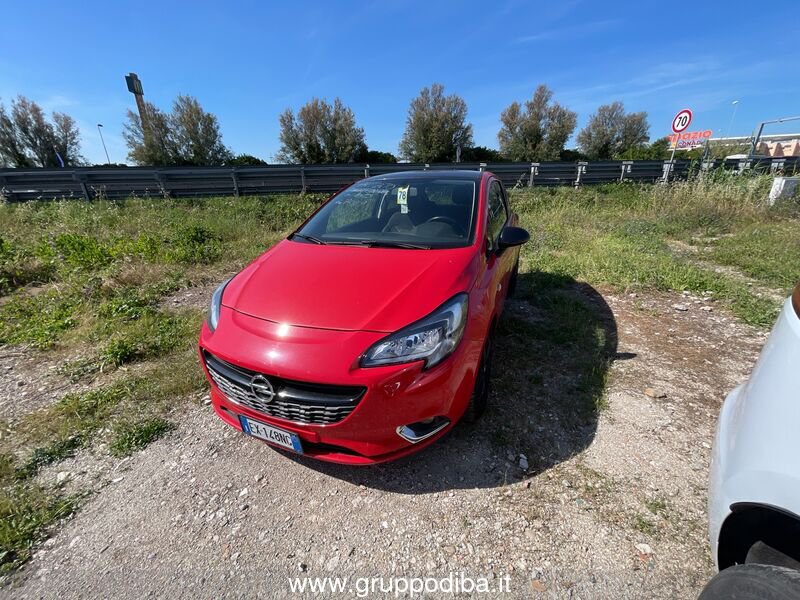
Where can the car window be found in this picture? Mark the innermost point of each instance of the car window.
(428, 211)
(354, 208)
(497, 212)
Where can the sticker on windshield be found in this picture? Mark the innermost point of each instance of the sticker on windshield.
(402, 195)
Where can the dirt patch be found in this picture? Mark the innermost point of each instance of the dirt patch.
(30, 380)
(192, 297)
(618, 511)
(695, 255)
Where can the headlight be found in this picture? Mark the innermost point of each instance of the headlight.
(431, 339)
(216, 304)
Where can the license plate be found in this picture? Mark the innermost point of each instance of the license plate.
(271, 434)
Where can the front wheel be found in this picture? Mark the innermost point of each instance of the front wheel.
(480, 393)
(753, 582)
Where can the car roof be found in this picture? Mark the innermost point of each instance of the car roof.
(465, 174)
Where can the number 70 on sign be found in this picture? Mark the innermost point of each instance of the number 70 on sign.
(682, 120)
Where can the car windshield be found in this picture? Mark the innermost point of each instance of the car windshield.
(413, 212)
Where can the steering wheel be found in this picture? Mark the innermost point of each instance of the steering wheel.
(452, 222)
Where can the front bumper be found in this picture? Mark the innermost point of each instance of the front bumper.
(395, 395)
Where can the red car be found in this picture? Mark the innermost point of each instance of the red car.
(368, 332)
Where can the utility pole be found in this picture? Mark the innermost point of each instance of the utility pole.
(135, 88)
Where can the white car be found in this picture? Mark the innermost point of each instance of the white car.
(754, 491)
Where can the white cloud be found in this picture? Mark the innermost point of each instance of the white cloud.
(567, 32)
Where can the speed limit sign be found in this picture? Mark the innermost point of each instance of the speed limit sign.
(682, 120)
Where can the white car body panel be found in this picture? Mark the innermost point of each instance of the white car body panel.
(756, 456)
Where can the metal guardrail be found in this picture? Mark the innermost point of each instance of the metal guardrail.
(121, 182)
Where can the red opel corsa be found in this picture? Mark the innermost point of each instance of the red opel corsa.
(368, 333)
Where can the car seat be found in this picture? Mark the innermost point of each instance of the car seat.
(420, 209)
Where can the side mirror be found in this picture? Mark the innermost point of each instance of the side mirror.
(513, 236)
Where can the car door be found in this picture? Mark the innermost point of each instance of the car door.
(495, 275)
(501, 217)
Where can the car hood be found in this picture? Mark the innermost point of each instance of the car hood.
(350, 288)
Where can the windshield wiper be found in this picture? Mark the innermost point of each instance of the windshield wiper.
(390, 244)
(310, 238)
(369, 243)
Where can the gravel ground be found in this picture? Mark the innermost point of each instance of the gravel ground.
(208, 512)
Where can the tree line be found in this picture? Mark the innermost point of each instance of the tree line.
(437, 130)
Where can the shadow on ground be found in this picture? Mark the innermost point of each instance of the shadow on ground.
(555, 344)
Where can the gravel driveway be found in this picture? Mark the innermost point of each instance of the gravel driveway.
(618, 513)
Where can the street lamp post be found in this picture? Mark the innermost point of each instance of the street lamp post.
(100, 131)
(735, 104)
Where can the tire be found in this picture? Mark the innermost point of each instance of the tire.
(480, 393)
(512, 282)
(753, 582)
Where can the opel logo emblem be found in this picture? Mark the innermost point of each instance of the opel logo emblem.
(262, 388)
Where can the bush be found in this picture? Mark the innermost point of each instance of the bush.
(143, 246)
(81, 251)
(195, 244)
(130, 304)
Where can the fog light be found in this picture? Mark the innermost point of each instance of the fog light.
(416, 432)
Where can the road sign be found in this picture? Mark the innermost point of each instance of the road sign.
(689, 139)
(682, 120)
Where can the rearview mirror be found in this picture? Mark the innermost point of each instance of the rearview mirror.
(513, 236)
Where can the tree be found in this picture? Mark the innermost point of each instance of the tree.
(610, 132)
(153, 146)
(658, 150)
(12, 152)
(186, 136)
(196, 134)
(436, 126)
(321, 133)
(245, 160)
(480, 154)
(29, 139)
(539, 131)
(377, 157)
(571, 155)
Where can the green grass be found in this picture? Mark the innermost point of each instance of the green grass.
(19, 267)
(130, 437)
(26, 511)
(644, 525)
(152, 335)
(27, 508)
(567, 335)
(657, 506)
(55, 452)
(617, 235)
(38, 320)
(766, 251)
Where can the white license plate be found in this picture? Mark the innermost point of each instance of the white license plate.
(271, 434)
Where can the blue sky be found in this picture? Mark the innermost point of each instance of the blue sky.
(247, 61)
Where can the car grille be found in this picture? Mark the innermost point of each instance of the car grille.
(296, 401)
